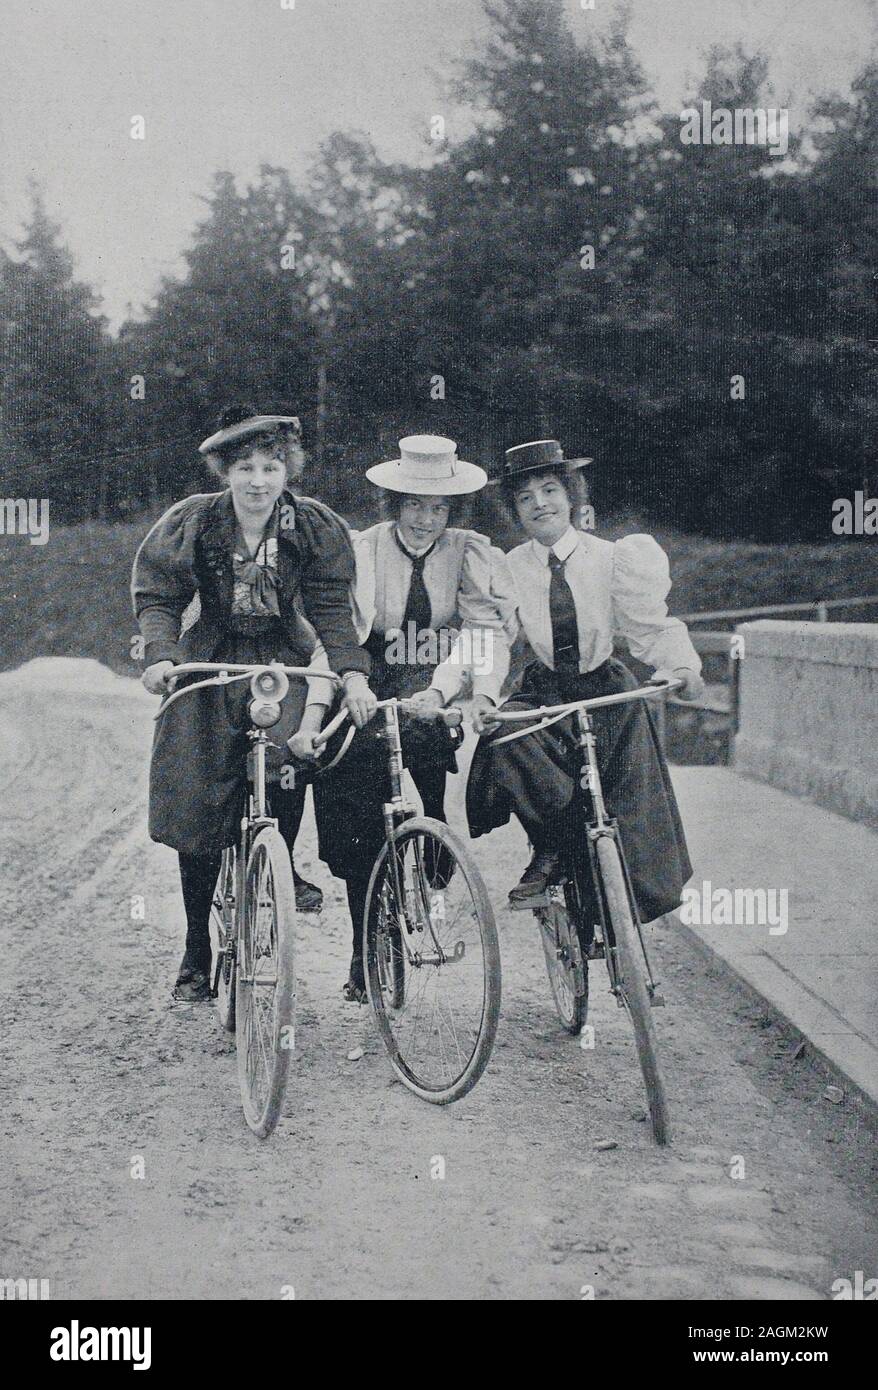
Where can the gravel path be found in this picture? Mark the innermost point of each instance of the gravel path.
(766, 1191)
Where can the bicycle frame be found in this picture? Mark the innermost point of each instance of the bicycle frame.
(396, 812)
(598, 823)
(256, 816)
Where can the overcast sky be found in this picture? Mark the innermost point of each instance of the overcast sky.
(233, 83)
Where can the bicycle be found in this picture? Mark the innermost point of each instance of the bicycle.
(407, 924)
(567, 926)
(253, 915)
(430, 949)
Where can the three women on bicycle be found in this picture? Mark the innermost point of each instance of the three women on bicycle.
(422, 604)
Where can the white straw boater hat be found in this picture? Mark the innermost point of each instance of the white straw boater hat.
(428, 466)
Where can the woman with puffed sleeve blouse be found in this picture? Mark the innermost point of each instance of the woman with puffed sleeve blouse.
(575, 593)
(423, 595)
(271, 574)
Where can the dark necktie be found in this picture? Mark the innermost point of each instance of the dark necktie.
(418, 609)
(562, 611)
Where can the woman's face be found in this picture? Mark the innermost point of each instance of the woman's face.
(257, 481)
(422, 520)
(543, 508)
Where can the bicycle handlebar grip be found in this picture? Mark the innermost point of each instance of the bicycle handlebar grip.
(451, 717)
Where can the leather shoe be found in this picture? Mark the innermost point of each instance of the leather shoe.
(309, 898)
(543, 869)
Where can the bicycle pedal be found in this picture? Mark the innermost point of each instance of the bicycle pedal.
(657, 1000)
(595, 951)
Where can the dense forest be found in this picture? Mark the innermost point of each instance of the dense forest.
(699, 318)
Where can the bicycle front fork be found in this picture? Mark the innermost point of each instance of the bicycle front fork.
(600, 825)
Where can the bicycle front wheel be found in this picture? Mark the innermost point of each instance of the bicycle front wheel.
(630, 980)
(432, 961)
(266, 981)
(222, 939)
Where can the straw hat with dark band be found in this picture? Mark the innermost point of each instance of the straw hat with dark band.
(428, 466)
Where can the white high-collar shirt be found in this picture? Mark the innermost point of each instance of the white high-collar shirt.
(458, 580)
(619, 589)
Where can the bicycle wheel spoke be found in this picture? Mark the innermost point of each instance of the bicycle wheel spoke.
(439, 1026)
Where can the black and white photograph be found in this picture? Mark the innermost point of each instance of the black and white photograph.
(438, 669)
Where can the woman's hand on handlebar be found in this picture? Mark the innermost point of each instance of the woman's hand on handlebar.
(301, 745)
(482, 709)
(424, 704)
(155, 678)
(692, 687)
(359, 701)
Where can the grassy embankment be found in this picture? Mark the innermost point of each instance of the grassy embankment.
(70, 596)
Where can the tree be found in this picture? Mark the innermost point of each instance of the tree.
(237, 326)
(54, 352)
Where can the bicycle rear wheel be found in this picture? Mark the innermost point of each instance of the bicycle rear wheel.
(266, 981)
(627, 954)
(222, 939)
(566, 965)
(432, 961)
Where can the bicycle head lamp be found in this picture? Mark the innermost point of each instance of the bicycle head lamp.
(269, 685)
(264, 713)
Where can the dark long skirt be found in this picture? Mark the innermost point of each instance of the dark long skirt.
(535, 777)
(197, 779)
(349, 800)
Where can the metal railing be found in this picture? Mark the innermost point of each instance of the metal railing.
(819, 607)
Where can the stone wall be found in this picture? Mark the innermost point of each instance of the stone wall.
(809, 712)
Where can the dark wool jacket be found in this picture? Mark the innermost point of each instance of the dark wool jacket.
(189, 551)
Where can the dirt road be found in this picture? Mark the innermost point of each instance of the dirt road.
(128, 1170)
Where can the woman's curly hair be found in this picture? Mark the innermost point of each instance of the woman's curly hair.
(286, 439)
(573, 483)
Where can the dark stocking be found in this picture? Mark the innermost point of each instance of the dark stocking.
(198, 875)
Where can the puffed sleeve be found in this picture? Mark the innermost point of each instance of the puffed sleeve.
(163, 579)
(361, 594)
(486, 609)
(641, 583)
(327, 577)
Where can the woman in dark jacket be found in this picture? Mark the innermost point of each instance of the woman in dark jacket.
(271, 572)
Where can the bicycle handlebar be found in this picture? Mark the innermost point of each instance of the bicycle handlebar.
(251, 669)
(228, 672)
(551, 714)
(452, 717)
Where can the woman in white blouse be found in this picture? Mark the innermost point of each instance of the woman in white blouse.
(575, 593)
(423, 596)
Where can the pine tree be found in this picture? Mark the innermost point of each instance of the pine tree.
(53, 360)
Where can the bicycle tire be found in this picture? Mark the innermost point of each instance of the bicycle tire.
(269, 890)
(632, 983)
(566, 964)
(223, 936)
(390, 1019)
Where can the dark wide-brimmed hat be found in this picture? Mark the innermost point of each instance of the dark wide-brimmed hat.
(537, 457)
(242, 422)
